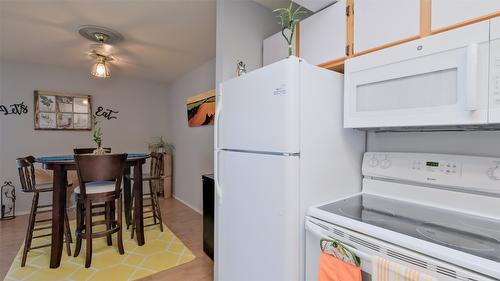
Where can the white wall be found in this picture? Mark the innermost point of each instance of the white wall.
(141, 105)
(467, 143)
(193, 154)
(242, 25)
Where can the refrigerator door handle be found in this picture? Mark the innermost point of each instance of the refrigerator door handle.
(218, 190)
(218, 112)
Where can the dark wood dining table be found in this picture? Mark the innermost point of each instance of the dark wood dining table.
(60, 165)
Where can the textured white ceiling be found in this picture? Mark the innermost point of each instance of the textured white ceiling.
(163, 38)
(274, 4)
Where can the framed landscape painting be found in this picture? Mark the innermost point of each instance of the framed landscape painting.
(201, 109)
(58, 111)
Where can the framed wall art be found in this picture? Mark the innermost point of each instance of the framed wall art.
(58, 111)
(201, 109)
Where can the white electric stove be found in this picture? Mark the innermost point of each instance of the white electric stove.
(439, 214)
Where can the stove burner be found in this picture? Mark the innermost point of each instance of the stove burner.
(349, 213)
(455, 238)
(484, 226)
(345, 213)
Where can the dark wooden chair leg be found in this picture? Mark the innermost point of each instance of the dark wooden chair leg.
(29, 231)
(108, 219)
(120, 225)
(67, 234)
(132, 220)
(127, 196)
(152, 199)
(79, 224)
(158, 211)
(88, 233)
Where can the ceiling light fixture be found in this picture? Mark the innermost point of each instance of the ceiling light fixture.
(101, 55)
(101, 68)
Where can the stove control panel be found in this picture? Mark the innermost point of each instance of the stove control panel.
(458, 171)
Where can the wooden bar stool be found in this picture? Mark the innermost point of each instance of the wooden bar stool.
(154, 178)
(100, 178)
(28, 184)
(97, 209)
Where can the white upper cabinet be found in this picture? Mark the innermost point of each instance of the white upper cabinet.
(314, 5)
(275, 49)
(323, 35)
(378, 22)
(450, 12)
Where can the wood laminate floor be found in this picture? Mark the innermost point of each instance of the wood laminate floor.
(182, 220)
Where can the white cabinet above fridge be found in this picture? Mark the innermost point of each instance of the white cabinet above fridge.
(323, 35)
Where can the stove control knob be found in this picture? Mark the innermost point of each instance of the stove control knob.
(385, 163)
(494, 173)
(373, 162)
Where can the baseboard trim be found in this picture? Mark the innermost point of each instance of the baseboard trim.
(187, 204)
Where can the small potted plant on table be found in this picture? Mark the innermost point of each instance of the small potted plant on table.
(97, 136)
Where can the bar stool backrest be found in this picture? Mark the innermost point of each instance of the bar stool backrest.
(95, 168)
(156, 165)
(27, 173)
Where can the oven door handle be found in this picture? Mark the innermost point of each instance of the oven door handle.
(318, 230)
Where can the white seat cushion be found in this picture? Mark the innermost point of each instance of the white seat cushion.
(98, 187)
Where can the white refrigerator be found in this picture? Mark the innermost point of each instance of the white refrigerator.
(280, 147)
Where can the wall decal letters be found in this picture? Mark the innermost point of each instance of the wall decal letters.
(106, 113)
(16, 108)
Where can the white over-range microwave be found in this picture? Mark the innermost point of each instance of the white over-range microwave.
(450, 80)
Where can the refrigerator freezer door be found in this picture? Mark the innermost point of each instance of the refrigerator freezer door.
(259, 111)
(257, 222)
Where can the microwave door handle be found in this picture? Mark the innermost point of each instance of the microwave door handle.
(471, 77)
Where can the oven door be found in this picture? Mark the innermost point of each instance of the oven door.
(440, 80)
(367, 247)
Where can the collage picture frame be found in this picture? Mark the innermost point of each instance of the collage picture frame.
(60, 111)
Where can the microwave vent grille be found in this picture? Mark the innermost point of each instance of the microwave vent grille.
(489, 127)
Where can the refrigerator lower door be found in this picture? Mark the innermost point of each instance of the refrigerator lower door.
(257, 223)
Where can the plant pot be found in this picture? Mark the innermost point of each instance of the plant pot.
(99, 151)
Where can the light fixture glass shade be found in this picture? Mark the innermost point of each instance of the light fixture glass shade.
(100, 69)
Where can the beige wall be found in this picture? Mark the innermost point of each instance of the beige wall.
(142, 107)
(466, 143)
(193, 154)
(242, 25)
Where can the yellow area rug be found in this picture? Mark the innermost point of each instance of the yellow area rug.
(163, 250)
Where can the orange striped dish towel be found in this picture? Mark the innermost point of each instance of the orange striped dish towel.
(384, 270)
(334, 269)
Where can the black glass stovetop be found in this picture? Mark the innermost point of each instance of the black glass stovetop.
(475, 235)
